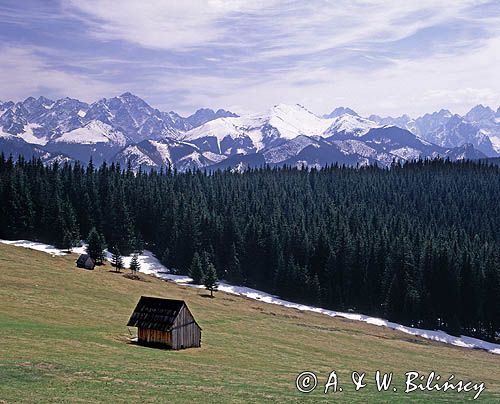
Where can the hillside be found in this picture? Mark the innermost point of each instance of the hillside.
(417, 245)
(64, 339)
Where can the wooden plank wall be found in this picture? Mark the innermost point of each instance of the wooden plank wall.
(148, 336)
(185, 332)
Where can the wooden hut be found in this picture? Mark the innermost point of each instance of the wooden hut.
(84, 261)
(165, 323)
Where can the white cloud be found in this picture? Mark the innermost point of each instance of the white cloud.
(375, 56)
(160, 24)
(274, 28)
(24, 73)
(346, 23)
(456, 82)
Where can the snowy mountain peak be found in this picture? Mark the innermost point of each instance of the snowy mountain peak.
(442, 113)
(29, 100)
(44, 100)
(341, 111)
(347, 125)
(131, 98)
(295, 120)
(125, 126)
(288, 108)
(223, 113)
(480, 113)
(128, 94)
(70, 104)
(204, 115)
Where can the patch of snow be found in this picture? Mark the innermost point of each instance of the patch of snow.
(350, 124)
(81, 113)
(218, 128)
(495, 142)
(150, 265)
(29, 137)
(294, 120)
(240, 168)
(141, 158)
(33, 245)
(352, 146)
(6, 135)
(194, 157)
(288, 149)
(406, 153)
(164, 151)
(216, 158)
(93, 132)
(289, 121)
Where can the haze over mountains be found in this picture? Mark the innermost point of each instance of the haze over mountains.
(125, 128)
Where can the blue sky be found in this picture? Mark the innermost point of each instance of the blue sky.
(385, 57)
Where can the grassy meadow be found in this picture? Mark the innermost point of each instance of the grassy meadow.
(64, 339)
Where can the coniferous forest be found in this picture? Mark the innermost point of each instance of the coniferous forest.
(417, 243)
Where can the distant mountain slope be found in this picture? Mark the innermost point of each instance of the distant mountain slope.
(164, 153)
(479, 127)
(250, 134)
(11, 145)
(126, 127)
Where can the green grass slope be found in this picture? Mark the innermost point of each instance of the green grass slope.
(64, 339)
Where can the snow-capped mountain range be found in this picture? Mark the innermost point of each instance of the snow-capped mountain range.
(126, 129)
(479, 127)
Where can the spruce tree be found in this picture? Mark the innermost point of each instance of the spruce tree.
(315, 290)
(68, 226)
(116, 259)
(196, 269)
(135, 265)
(95, 246)
(234, 267)
(210, 279)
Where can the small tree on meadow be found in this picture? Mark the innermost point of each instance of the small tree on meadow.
(135, 265)
(210, 279)
(116, 259)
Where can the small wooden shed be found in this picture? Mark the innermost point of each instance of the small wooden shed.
(84, 261)
(165, 323)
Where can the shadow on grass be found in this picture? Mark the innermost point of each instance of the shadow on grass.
(135, 277)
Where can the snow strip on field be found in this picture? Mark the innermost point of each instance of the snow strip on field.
(150, 265)
(33, 245)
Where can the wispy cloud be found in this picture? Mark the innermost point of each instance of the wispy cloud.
(376, 56)
(25, 72)
(159, 24)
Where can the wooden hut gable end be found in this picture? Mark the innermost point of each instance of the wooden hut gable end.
(185, 330)
(184, 317)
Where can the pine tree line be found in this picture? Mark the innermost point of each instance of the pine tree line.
(417, 244)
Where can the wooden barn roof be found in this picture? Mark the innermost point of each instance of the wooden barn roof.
(155, 313)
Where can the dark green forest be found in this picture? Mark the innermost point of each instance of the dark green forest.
(417, 243)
